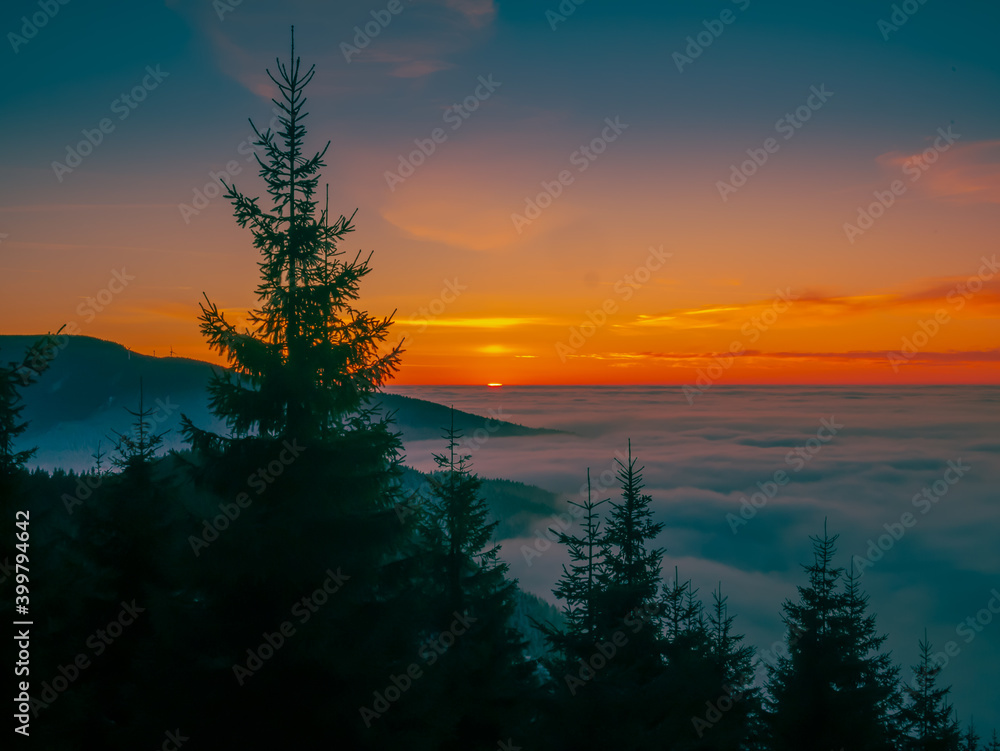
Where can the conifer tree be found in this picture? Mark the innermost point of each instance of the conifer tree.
(705, 692)
(970, 741)
(135, 450)
(309, 359)
(927, 715)
(678, 607)
(467, 586)
(14, 376)
(631, 573)
(870, 679)
(602, 694)
(129, 532)
(458, 529)
(738, 700)
(834, 688)
(572, 715)
(310, 478)
(578, 585)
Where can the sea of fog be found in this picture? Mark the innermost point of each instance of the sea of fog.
(908, 478)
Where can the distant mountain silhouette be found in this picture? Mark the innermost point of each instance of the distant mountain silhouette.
(90, 376)
(82, 398)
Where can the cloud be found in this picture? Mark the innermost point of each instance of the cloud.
(478, 13)
(419, 68)
(436, 205)
(816, 308)
(965, 173)
(413, 44)
(471, 323)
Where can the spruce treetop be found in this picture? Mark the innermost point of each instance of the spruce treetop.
(309, 359)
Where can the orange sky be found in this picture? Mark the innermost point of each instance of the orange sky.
(684, 276)
(502, 297)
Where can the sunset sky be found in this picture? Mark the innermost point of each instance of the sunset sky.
(701, 200)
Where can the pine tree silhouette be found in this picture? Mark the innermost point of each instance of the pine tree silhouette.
(611, 653)
(309, 359)
(13, 377)
(579, 584)
(970, 741)
(136, 449)
(631, 571)
(311, 480)
(834, 688)
(467, 586)
(678, 607)
(870, 682)
(927, 715)
(738, 700)
(98, 457)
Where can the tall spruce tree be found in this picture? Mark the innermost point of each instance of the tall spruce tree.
(927, 715)
(705, 695)
(610, 653)
(307, 483)
(469, 596)
(835, 687)
(631, 573)
(129, 530)
(736, 698)
(870, 682)
(13, 377)
(310, 359)
(572, 715)
(579, 584)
